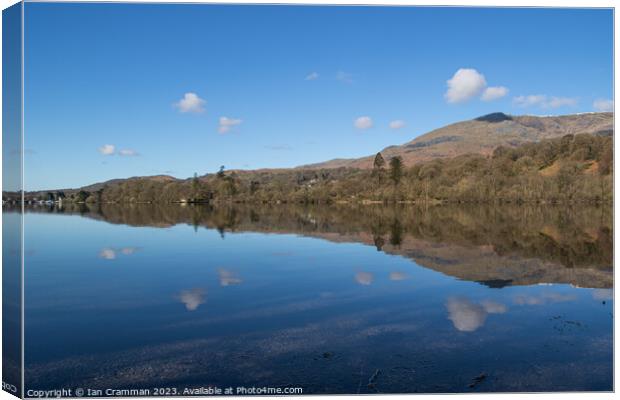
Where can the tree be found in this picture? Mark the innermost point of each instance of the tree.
(254, 185)
(82, 196)
(377, 167)
(220, 173)
(195, 186)
(396, 233)
(379, 162)
(99, 194)
(606, 161)
(379, 242)
(566, 177)
(396, 169)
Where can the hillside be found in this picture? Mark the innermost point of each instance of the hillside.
(569, 169)
(482, 135)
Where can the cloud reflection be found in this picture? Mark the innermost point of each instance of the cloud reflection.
(467, 316)
(544, 298)
(228, 278)
(129, 250)
(398, 276)
(192, 298)
(493, 307)
(364, 278)
(603, 294)
(109, 253)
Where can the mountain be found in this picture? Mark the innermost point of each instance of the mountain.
(482, 135)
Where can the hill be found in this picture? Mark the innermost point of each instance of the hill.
(569, 169)
(482, 135)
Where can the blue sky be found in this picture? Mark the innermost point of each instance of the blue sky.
(119, 90)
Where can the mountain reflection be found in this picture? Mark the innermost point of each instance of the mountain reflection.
(496, 246)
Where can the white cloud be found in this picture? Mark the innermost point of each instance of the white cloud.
(544, 101)
(531, 100)
(397, 124)
(107, 149)
(191, 103)
(364, 122)
(464, 85)
(603, 105)
(127, 153)
(226, 124)
(312, 76)
(192, 298)
(344, 77)
(494, 92)
(557, 102)
(364, 278)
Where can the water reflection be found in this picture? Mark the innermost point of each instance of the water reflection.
(228, 278)
(468, 316)
(301, 296)
(129, 250)
(109, 253)
(364, 278)
(603, 294)
(544, 298)
(495, 246)
(398, 276)
(192, 298)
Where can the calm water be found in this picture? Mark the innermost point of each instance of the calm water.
(333, 300)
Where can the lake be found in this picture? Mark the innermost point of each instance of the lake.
(337, 299)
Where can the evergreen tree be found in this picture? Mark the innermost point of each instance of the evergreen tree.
(220, 173)
(396, 169)
(379, 162)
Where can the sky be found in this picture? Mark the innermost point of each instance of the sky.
(121, 90)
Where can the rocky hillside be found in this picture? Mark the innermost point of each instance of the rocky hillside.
(482, 135)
